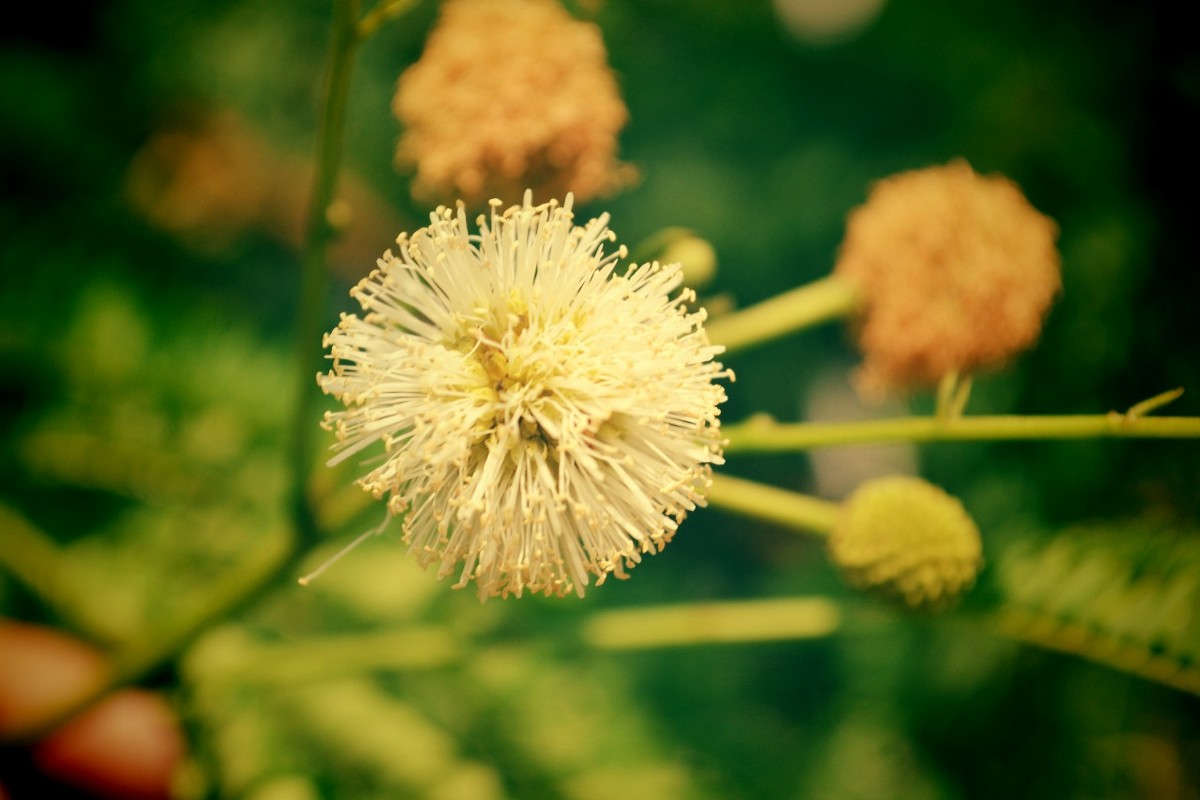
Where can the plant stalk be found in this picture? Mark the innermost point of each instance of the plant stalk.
(803, 307)
(791, 509)
(762, 436)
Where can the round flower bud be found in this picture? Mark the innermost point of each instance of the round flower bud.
(695, 256)
(907, 539)
(956, 271)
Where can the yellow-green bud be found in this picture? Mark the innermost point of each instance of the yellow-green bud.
(695, 256)
(907, 539)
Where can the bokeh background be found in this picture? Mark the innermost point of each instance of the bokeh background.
(155, 160)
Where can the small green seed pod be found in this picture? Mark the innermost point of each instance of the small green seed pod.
(907, 539)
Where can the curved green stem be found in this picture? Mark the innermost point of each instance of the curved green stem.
(1150, 405)
(763, 436)
(790, 509)
(377, 16)
(820, 301)
(314, 278)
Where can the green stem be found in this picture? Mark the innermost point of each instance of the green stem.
(761, 436)
(316, 658)
(820, 301)
(953, 391)
(314, 278)
(1153, 404)
(727, 622)
(33, 559)
(790, 509)
(385, 11)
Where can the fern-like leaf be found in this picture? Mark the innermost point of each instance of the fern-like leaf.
(1127, 595)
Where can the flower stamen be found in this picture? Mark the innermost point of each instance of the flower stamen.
(545, 420)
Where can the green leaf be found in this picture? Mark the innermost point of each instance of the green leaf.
(1124, 594)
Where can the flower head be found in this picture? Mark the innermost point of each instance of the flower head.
(545, 416)
(956, 270)
(510, 94)
(907, 539)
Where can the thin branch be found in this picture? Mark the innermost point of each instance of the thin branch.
(812, 304)
(766, 436)
(790, 509)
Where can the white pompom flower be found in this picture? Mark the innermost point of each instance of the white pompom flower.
(545, 416)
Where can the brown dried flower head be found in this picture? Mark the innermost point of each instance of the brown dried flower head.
(509, 95)
(957, 271)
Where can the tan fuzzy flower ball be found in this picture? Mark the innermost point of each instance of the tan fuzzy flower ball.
(509, 95)
(957, 271)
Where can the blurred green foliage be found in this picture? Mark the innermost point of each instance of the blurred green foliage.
(147, 383)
